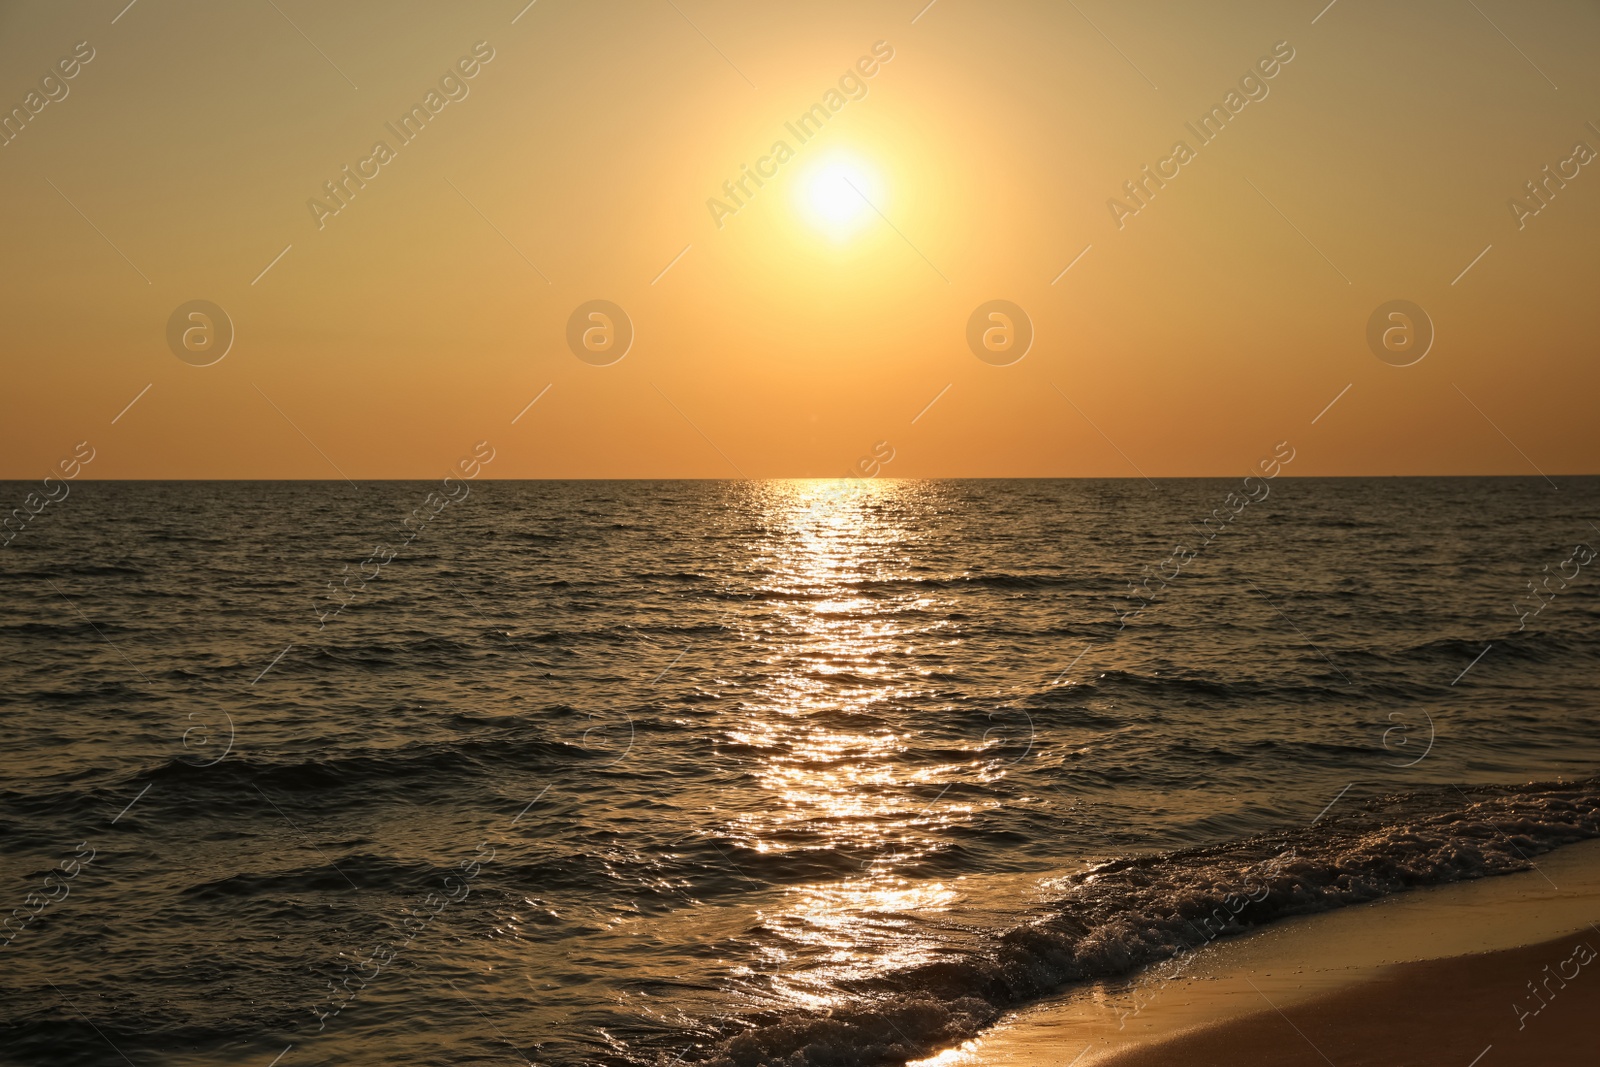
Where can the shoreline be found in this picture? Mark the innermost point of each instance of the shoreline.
(1447, 1011)
(1405, 979)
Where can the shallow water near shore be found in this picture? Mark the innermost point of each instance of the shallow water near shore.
(775, 772)
(1300, 960)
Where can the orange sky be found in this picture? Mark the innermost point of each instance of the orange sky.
(796, 333)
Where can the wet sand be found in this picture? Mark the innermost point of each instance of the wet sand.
(1436, 976)
(1534, 1005)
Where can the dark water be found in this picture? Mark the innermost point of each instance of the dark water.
(783, 772)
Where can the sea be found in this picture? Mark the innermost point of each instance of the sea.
(745, 772)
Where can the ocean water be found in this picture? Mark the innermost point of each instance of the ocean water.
(745, 772)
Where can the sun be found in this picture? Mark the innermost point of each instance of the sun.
(840, 195)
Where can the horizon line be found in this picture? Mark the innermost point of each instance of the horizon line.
(824, 478)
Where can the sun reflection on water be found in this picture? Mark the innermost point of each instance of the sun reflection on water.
(950, 1057)
(845, 787)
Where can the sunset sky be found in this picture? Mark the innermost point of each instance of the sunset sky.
(589, 148)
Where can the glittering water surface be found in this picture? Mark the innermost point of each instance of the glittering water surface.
(779, 772)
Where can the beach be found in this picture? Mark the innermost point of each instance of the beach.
(1431, 1012)
(1438, 976)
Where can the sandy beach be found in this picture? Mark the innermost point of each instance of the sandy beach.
(1446, 1011)
(1490, 972)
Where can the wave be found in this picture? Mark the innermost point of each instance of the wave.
(1122, 915)
(401, 768)
(359, 869)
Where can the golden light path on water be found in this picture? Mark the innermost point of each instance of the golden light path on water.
(841, 774)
